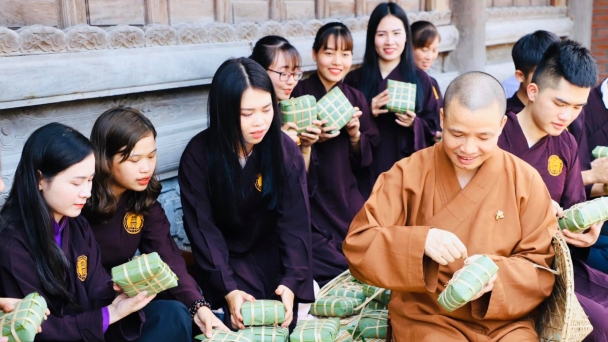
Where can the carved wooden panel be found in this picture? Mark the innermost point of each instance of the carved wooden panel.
(540, 2)
(503, 3)
(299, 9)
(249, 10)
(191, 11)
(437, 5)
(522, 3)
(116, 12)
(410, 5)
(18, 13)
(341, 8)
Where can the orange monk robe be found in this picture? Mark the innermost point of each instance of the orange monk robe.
(385, 245)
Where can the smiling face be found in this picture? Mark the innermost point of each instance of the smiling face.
(390, 38)
(333, 62)
(553, 110)
(135, 172)
(68, 191)
(256, 116)
(424, 57)
(283, 88)
(470, 138)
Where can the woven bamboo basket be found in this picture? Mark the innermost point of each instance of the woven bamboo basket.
(561, 316)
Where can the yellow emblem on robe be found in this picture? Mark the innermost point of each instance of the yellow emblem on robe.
(555, 165)
(82, 267)
(436, 93)
(258, 182)
(133, 223)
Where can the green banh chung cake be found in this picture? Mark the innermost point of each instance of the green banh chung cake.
(372, 324)
(402, 97)
(336, 108)
(383, 297)
(467, 282)
(581, 216)
(263, 312)
(22, 323)
(600, 152)
(300, 110)
(228, 336)
(269, 334)
(318, 330)
(144, 273)
(348, 290)
(335, 306)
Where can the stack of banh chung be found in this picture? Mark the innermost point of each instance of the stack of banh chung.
(263, 319)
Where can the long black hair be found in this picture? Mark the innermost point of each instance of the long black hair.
(369, 70)
(50, 150)
(267, 49)
(232, 78)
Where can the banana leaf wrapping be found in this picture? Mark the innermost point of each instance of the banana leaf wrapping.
(402, 97)
(372, 324)
(144, 273)
(600, 152)
(269, 334)
(384, 297)
(300, 110)
(467, 282)
(351, 291)
(376, 305)
(318, 330)
(581, 216)
(336, 108)
(21, 324)
(228, 336)
(263, 312)
(335, 306)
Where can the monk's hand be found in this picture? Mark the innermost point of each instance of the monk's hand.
(235, 300)
(557, 209)
(378, 102)
(311, 135)
(207, 321)
(585, 239)
(599, 167)
(291, 129)
(123, 306)
(326, 133)
(405, 120)
(287, 298)
(487, 288)
(443, 246)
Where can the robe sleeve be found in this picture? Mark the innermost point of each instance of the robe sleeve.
(520, 286)
(574, 189)
(157, 238)
(208, 244)
(378, 239)
(293, 227)
(429, 113)
(370, 137)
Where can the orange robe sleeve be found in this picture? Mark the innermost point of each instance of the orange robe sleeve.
(381, 250)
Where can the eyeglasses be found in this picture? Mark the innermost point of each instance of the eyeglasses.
(284, 76)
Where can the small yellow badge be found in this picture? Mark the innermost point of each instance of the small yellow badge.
(82, 267)
(555, 165)
(133, 223)
(499, 215)
(258, 182)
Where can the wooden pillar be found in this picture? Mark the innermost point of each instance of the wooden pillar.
(437, 5)
(72, 12)
(276, 10)
(360, 7)
(581, 12)
(468, 17)
(223, 11)
(322, 9)
(156, 12)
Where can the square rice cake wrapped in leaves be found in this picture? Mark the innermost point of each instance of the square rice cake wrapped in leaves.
(347, 290)
(467, 282)
(376, 305)
(581, 216)
(318, 330)
(335, 306)
(228, 336)
(336, 108)
(372, 324)
(300, 110)
(402, 97)
(144, 273)
(263, 312)
(270, 334)
(22, 323)
(600, 152)
(384, 296)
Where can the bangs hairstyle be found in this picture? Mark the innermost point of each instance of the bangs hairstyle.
(568, 60)
(424, 34)
(370, 70)
(50, 150)
(226, 190)
(341, 35)
(529, 49)
(116, 132)
(267, 50)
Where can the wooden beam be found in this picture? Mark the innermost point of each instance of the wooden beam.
(559, 3)
(156, 12)
(72, 12)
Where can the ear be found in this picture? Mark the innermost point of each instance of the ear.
(532, 91)
(40, 180)
(441, 118)
(503, 122)
(519, 75)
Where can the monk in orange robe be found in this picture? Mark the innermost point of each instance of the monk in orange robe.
(461, 197)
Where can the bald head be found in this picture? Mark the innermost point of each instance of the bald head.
(474, 91)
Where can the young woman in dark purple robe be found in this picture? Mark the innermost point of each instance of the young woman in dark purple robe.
(282, 62)
(46, 247)
(389, 56)
(244, 198)
(125, 216)
(339, 158)
(425, 41)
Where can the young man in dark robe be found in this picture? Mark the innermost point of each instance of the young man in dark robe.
(557, 93)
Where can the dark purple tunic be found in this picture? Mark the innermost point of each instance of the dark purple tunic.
(397, 142)
(271, 248)
(596, 120)
(118, 246)
(19, 278)
(555, 158)
(437, 93)
(333, 186)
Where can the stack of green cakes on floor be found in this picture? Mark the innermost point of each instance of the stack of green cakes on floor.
(339, 298)
(263, 318)
(370, 325)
